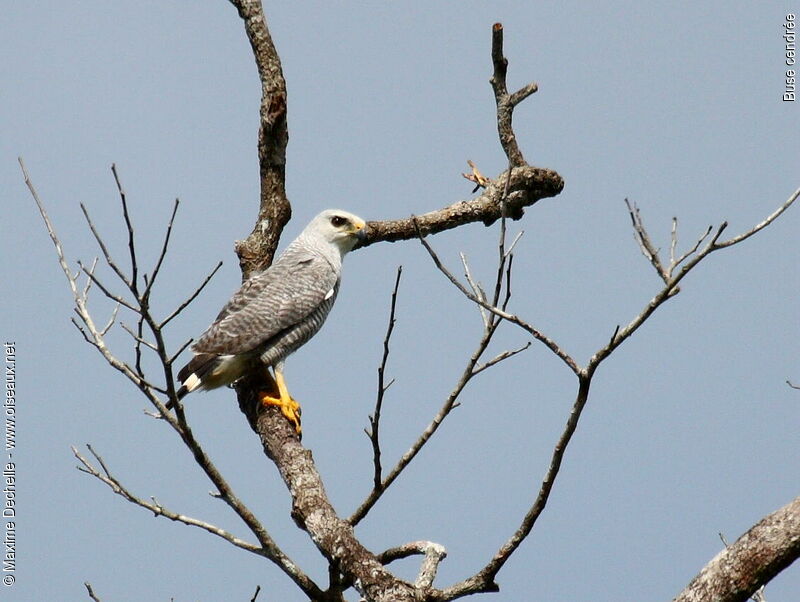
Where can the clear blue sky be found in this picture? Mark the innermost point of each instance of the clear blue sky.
(690, 430)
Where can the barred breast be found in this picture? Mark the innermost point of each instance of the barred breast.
(289, 340)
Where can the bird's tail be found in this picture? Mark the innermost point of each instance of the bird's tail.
(191, 376)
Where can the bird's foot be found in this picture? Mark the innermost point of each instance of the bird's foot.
(289, 408)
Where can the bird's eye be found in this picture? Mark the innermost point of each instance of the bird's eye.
(338, 221)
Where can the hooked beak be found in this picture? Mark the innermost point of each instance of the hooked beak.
(361, 231)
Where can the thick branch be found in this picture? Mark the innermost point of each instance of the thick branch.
(311, 509)
(505, 101)
(525, 186)
(739, 570)
(258, 249)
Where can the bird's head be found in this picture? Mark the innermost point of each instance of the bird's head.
(340, 228)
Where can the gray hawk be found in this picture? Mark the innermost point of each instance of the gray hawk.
(276, 311)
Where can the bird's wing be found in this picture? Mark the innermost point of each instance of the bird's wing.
(268, 303)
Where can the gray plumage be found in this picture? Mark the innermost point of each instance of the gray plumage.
(278, 310)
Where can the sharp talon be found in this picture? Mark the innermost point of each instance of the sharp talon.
(289, 408)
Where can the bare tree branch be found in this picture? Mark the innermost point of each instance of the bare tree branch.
(138, 338)
(374, 421)
(95, 280)
(484, 580)
(643, 239)
(89, 589)
(163, 252)
(434, 554)
(761, 225)
(178, 420)
(471, 370)
(311, 509)
(109, 260)
(350, 563)
(671, 286)
(433, 426)
(539, 336)
(191, 297)
(526, 185)
(134, 280)
(505, 101)
(758, 595)
(738, 571)
(256, 252)
(499, 358)
(153, 506)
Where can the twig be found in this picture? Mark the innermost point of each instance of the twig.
(180, 350)
(177, 421)
(374, 431)
(153, 506)
(476, 289)
(673, 241)
(501, 245)
(674, 279)
(111, 320)
(134, 281)
(137, 337)
(89, 589)
(163, 253)
(539, 336)
(499, 358)
(450, 403)
(115, 298)
(191, 297)
(109, 260)
(514, 242)
(643, 239)
(690, 252)
(140, 340)
(760, 226)
(484, 580)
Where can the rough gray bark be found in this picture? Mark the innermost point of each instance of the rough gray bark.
(751, 561)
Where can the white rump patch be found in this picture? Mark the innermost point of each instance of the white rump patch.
(192, 382)
(328, 295)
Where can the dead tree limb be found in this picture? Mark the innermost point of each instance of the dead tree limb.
(738, 571)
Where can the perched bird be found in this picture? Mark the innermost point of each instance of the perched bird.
(276, 311)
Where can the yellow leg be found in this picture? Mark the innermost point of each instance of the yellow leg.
(289, 407)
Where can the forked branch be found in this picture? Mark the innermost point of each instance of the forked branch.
(177, 421)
